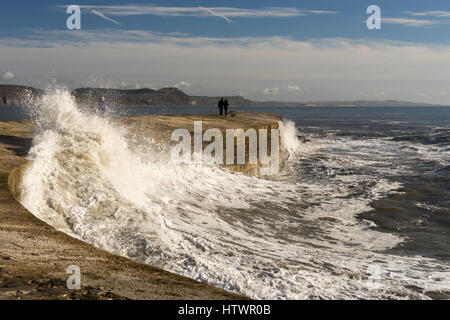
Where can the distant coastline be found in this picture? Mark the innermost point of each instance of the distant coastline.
(14, 95)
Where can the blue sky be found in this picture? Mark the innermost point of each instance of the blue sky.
(265, 50)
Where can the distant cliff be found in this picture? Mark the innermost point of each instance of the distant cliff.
(18, 95)
(14, 95)
(137, 97)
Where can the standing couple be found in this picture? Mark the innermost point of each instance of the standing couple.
(223, 105)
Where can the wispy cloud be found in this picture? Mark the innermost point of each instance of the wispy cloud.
(101, 15)
(289, 89)
(275, 91)
(434, 19)
(7, 75)
(431, 13)
(182, 85)
(223, 12)
(218, 15)
(409, 22)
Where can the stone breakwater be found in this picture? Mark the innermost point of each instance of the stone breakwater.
(160, 128)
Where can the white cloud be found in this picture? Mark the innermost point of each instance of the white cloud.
(435, 13)
(182, 84)
(7, 75)
(286, 90)
(275, 91)
(223, 12)
(293, 87)
(433, 93)
(101, 15)
(409, 22)
(435, 19)
(332, 69)
(228, 20)
(242, 93)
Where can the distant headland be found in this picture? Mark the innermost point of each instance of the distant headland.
(16, 95)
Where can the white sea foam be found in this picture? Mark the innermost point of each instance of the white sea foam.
(282, 238)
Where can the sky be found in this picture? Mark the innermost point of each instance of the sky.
(264, 50)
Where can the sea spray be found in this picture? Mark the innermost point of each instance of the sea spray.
(284, 238)
(289, 137)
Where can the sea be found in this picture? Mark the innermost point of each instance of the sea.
(360, 210)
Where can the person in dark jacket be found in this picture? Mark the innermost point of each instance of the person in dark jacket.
(225, 107)
(221, 105)
(102, 105)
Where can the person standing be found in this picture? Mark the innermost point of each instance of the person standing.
(225, 107)
(221, 105)
(102, 105)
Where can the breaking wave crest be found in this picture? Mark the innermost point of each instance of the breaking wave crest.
(289, 237)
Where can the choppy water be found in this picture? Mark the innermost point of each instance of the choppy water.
(361, 211)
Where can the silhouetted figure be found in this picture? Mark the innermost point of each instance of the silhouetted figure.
(225, 107)
(5, 100)
(221, 104)
(102, 105)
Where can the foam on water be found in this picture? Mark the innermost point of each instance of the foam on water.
(284, 238)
